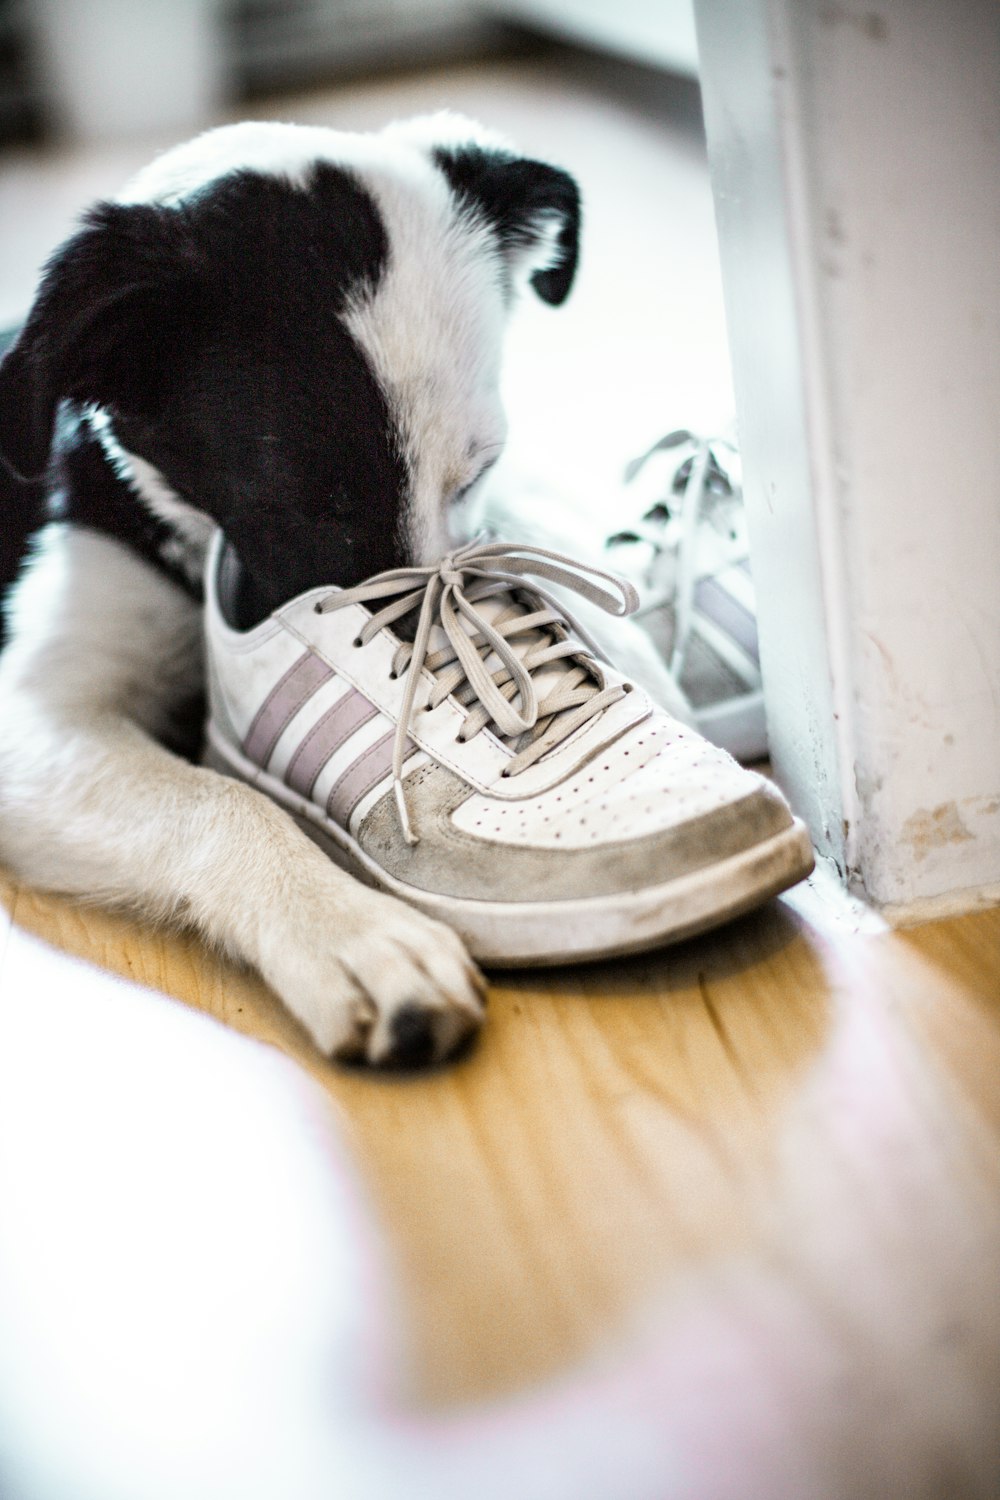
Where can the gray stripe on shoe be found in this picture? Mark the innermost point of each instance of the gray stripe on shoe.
(282, 704)
(719, 606)
(327, 735)
(357, 781)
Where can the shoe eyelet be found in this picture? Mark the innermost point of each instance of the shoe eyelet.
(357, 642)
(317, 608)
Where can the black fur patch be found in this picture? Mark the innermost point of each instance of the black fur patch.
(279, 429)
(21, 511)
(210, 332)
(85, 489)
(515, 195)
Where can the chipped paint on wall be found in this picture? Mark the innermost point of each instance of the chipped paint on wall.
(930, 828)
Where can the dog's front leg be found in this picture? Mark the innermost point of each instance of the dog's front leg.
(91, 804)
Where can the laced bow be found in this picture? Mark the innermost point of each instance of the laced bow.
(503, 692)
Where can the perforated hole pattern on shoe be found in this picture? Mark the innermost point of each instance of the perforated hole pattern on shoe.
(656, 777)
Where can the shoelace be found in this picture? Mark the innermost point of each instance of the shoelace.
(706, 487)
(448, 593)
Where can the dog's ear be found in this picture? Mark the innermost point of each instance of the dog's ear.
(534, 209)
(114, 312)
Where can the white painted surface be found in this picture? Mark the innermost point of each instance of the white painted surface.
(659, 32)
(855, 154)
(112, 68)
(117, 69)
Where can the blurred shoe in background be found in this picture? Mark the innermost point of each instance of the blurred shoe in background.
(688, 555)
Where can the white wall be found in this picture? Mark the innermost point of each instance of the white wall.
(658, 32)
(114, 68)
(119, 69)
(855, 155)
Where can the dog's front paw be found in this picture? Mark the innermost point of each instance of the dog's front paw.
(380, 983)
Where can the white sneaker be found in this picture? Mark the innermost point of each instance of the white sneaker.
(448, 734)
(689, 556)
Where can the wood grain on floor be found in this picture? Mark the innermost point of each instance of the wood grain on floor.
(618, 1126)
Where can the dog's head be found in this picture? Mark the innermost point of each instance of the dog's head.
(296, 332)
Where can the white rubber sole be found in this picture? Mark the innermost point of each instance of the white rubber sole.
(521, 934)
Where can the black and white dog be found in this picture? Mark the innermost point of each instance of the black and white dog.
(292, 333)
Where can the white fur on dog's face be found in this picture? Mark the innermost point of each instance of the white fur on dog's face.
(432, 332)
(432, 327)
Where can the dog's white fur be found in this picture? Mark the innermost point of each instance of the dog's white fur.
(103, 647)
(94, 806)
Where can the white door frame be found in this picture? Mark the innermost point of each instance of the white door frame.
(855, 159)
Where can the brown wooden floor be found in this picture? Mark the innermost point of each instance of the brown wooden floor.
(619, 1127)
